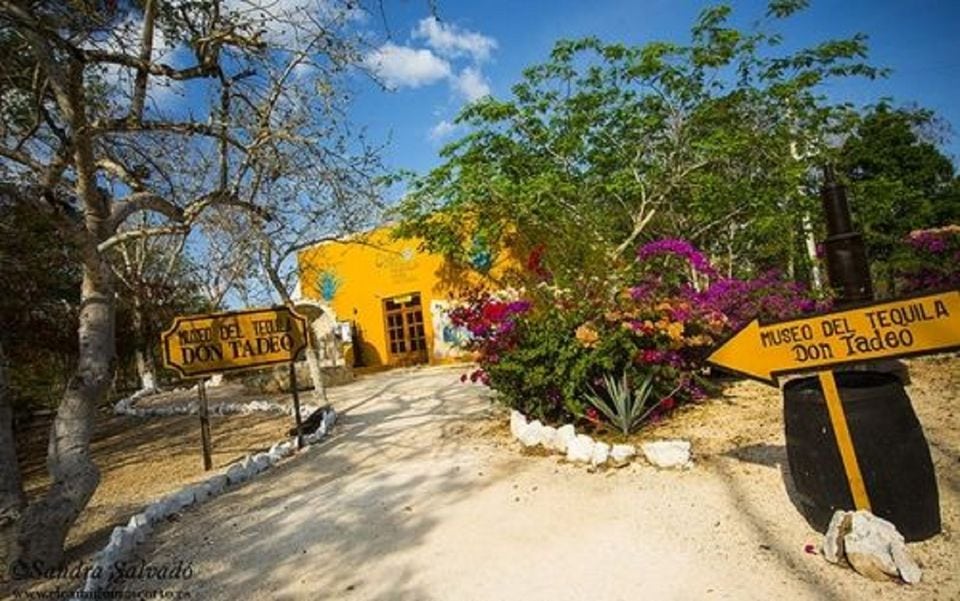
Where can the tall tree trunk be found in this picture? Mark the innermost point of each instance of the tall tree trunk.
(810, 244)
(314, 361)
(311, 352)
(11, 489)
(146, 366)
(75, 476)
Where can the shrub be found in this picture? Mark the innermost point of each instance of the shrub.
(552, 353)
(621, 403)
(932, 260)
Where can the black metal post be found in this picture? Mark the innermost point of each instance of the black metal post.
(296, 403)
(204, 425)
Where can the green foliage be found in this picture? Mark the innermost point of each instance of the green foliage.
(606, 145)
(39, 305)
(899, 181)
(622, 404)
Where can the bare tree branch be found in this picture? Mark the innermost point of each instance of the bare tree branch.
(141, 233)
(143, 201)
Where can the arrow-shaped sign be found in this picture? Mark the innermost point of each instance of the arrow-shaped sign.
(912, 326)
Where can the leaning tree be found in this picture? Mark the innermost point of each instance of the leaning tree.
(112, 110)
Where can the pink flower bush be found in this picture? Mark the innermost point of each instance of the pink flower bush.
(543, 350)
(934, 261)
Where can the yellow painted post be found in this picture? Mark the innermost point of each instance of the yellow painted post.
(844, 442)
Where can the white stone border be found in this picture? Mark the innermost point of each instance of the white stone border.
(126, 406)
(580, 448)
(125, 539)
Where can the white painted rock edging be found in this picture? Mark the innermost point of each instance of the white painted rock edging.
(127, 406)
(125, 539)
(580, 448)
(668, 454)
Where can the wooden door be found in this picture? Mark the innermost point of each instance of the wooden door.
(406, 338)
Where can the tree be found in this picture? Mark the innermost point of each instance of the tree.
(90, 130)
(605, 145)
(320, 198)
(40, 303)
(157, 285)
(899, 181)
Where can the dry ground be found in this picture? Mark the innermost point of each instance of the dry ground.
(421, 494)
(141, 459)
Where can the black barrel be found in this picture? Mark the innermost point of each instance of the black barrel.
(891, 450)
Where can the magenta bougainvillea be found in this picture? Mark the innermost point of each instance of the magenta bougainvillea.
(934, 261)
(542, 349)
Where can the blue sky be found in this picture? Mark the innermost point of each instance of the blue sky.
(435, 67)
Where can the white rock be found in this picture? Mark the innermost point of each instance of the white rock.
(530, 436)
(909, 570)
(121, 542)
(668, 453)
(621, 454)
(139, 521)
(135, 535)
(261, 461)
(282, 449)
(104, 559)
(869, 547)
(329, 419)
(580, 449)
(833, 539)
(200, 493)
(548, 438)
(601, 451)
(109, 554)
(238, 472)
(157, 511)
(215, 485)
(518, 423)
(565, 435)
(184, 498)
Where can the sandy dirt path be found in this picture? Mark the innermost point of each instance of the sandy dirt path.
(420, 495)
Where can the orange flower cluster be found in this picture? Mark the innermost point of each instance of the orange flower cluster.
(587, 335)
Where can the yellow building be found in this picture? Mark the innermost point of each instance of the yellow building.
(395, 295)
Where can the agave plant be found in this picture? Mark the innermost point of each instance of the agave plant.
(625, 406)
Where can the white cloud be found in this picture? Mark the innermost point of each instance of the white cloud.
(472, 84)
(451, 41)
(402, 66)
(291, 23)
(441, 130)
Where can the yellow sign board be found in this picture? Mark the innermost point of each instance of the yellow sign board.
(199, 345)
(913, 326)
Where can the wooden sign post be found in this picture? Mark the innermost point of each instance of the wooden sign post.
(901, 328)
(204, 425)
(200, 345)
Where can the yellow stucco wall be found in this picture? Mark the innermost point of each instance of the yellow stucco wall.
(371, 268)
